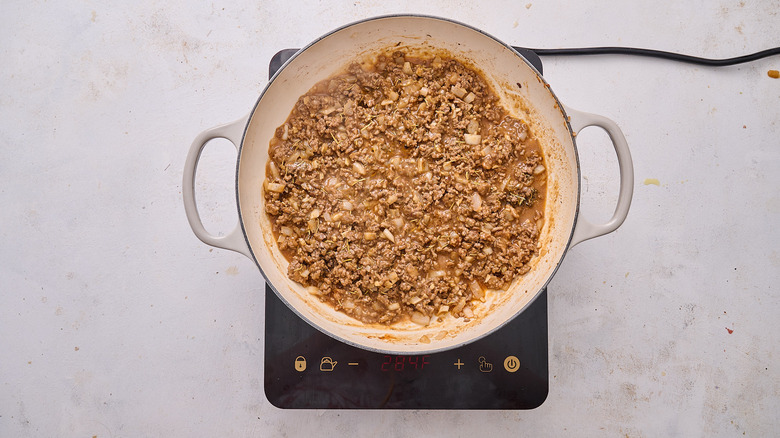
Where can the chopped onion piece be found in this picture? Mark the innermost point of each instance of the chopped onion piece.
(458, 91)
(392, 198)
(523, 136)
(458, 307)
(419, 318)
(348, 304)
(538, 169)
(346, 205)
(415, 299)
(411, 88)
(359, 168)
(470, 98)
(472, 138)
(287, 231)
(274, 169)
(436, 274)
(476, 201)
(398, 222)
(274, 187)
(326, 216)
(388, 235)
(472, 127)
(286, 132)
(394, 306)
(476, 289)
(392, 277)
(407, 68)
(368, 235)
(509, 213)
(443, 309)
(315, 213)
(422, 165)
(424, 91)
(487, 250)
(313, 290)
(392, 95)
(468, 313)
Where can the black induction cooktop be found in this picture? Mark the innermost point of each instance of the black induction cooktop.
(307, 369)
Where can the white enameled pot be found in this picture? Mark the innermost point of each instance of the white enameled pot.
(523, 92)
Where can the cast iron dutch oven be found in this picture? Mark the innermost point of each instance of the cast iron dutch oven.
(522, 91)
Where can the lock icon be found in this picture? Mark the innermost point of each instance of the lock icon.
(327, 364)
(300, 364)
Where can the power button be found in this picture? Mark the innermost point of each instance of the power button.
(511, 364)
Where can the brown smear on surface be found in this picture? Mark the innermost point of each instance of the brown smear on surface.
(773, 74)
(729, 330)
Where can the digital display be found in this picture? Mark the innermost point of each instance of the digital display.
(401, 363)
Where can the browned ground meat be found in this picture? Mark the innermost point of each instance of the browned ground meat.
(404, 190)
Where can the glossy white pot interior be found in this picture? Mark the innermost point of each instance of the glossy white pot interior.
(522, 91)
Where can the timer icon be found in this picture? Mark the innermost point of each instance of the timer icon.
(511, 364)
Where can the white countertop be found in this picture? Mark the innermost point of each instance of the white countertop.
(115, 321)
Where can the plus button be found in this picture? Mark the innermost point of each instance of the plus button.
(459, 364)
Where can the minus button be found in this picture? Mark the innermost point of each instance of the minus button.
(353, 364)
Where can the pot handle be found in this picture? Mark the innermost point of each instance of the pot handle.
(585, 229)
(234, 240)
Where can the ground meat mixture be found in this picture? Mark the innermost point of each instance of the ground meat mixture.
(403, 190)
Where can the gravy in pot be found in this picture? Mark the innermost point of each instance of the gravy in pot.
(402, 190)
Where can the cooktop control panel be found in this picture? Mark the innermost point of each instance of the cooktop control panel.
(307, 369)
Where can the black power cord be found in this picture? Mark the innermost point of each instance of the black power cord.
(657, 54)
